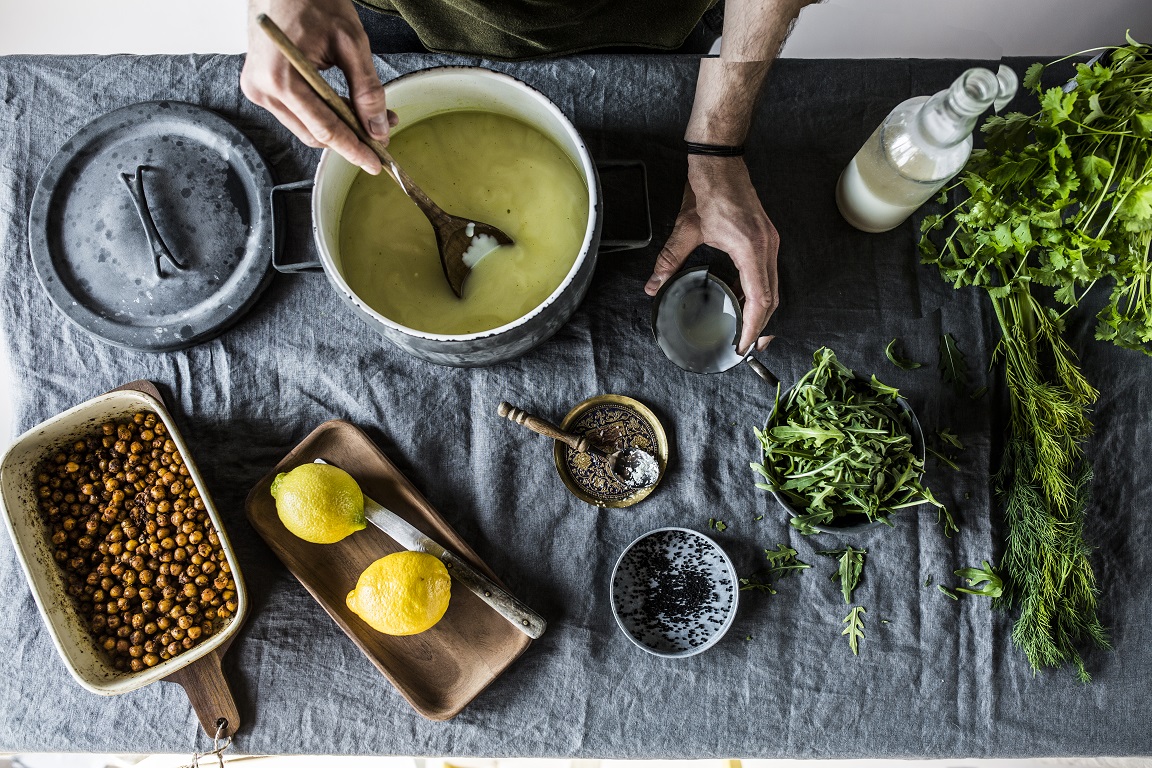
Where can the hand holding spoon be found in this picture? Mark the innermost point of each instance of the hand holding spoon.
(461, 242)
(634, 467)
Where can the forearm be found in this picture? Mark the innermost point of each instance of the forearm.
(728, 86)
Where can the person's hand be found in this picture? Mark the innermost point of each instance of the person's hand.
(329, 33)
(721, 209)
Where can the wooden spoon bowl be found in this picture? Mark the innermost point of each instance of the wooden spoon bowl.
(454, 234)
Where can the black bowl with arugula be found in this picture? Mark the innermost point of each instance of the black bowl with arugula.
(841, 452)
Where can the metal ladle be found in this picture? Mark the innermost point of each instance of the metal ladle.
(454, 234)
(616, 461)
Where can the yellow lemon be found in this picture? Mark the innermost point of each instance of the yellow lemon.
(319, 503)
(403, 593)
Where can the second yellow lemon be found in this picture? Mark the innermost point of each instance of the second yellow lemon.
(403, 593)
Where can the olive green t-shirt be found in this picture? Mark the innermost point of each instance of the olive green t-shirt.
(521, 29)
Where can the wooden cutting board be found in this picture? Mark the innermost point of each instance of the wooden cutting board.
(438, 671)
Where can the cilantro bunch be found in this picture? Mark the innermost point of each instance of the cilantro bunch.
(1058, 201)
(1062, 199)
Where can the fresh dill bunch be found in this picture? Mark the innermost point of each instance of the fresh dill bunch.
(1058, 202)
(1045, 548)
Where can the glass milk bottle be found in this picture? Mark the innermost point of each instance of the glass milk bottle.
(923, 143)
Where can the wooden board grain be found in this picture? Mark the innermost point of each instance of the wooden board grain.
(438, 671)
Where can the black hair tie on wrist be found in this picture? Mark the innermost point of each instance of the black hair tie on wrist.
(714, 150)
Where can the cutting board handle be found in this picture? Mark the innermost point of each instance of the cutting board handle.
(204, 682)
(141, 385)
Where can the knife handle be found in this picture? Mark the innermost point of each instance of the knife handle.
(521, 616)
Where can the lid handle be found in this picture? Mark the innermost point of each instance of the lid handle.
(135, 184)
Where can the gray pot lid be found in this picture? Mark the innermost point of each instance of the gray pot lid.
(151, 227)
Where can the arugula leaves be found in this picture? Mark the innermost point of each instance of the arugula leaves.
(897, 360)
(855, 628)
(837, 446)
(851, 568)
(985, 574)
(953, 365)
(782, 562)
(948, 436)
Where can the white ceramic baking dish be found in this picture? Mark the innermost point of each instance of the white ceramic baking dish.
(73, 641)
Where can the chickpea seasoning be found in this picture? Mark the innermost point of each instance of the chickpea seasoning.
(142, 562)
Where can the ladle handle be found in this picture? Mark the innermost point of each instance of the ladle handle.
(762, 371)
(538, 425)
(338, 105)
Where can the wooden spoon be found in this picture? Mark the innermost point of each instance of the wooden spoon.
(454, 234)
(621, 464)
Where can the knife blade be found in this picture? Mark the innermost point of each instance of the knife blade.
(503, 602)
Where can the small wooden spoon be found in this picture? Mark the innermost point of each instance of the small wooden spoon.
(454, 234)
(618, 462)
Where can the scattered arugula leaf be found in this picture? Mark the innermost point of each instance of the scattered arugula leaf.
(943, 459)
(953, 366)
(855, 628)
(985, 574)
(850, 569)
(947, 591)
(950, 437)
(897, 360)
(782, 562)
(717, 525)
(752, 583)
(928, 581)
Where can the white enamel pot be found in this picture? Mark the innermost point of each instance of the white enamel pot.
(419, 95)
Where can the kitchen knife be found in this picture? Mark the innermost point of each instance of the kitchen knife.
(408, 536)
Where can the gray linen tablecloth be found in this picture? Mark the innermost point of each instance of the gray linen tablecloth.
(934, 677)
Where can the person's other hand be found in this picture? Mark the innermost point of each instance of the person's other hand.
(721, 209)
(329, 33)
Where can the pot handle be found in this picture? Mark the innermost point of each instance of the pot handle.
(278, 216)
(624, 194)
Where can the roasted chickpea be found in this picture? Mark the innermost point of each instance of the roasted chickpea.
(131, 531)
